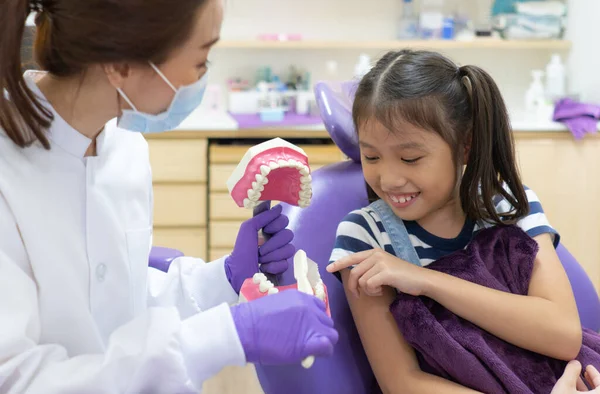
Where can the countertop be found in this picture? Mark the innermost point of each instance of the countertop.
(213, 124)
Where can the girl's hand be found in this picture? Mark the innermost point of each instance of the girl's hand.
(375, 268)
(571, 382)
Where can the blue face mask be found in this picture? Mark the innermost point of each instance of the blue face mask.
(186, 100)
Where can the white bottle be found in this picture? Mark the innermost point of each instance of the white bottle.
(535, 97)
(363, 66)
(556, 79)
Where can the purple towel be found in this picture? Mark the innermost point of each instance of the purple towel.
(453, 348)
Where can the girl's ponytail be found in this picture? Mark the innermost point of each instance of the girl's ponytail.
(491, 162)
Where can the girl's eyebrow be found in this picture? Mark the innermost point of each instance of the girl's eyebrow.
(402, 145)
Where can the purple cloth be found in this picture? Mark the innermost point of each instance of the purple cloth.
(580, 118)
(448, 346)
(284, 328)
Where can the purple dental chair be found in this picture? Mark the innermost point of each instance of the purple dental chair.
(337, 190)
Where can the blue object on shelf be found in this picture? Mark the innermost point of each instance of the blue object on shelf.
(448, 29)
(272, 115)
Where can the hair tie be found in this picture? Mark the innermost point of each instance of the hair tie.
(36, 5)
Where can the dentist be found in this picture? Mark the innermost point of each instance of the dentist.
(80, 310)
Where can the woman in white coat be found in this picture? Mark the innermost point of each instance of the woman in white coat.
(80, 310)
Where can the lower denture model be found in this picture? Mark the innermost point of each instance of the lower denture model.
(308, 280)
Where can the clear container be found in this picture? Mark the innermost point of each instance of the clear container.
(431, 19)
(408, 25)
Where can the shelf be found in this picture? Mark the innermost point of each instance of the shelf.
(486, 43)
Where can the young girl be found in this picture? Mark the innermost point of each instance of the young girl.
(437, 153)
(80, 310)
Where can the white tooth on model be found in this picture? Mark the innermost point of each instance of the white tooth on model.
(320, 291)
(273, 165)
(308, 362)
(273, 290)
(265, 285)
(253, 195)
(320, 294)
(305, 194)
(258, 277)
(265, 170)
(303, 203)
(304, 170)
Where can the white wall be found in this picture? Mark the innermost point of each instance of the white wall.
(584, 61)
(376, 20)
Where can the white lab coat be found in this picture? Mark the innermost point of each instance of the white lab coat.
(80, 311)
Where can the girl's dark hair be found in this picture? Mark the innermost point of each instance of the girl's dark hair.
(461, 104)
(74, 34)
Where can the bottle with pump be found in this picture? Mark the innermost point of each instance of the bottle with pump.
(556, 79)
(537, 107)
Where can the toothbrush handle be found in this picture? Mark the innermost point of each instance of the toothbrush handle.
(262, 237)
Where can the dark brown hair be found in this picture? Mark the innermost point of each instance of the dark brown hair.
(74, 34)
(461, 104)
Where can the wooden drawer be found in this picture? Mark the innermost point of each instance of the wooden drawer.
(564, 175)
(178, 160)
(317, 154)
(180, 205)
(217, 253)
(222, 207)
(223, 234)
(191, 241)
(219, 173)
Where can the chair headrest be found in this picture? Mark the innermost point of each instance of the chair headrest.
(335, 105)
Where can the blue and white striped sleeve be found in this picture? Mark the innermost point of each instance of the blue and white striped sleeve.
(355, 233)
(536, 222)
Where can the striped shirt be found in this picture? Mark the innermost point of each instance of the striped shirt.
(363, 230)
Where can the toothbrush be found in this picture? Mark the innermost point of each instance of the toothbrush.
(263, 207)
(301, 276)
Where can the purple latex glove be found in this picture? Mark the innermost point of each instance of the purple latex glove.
(272, 257)
(284, 328)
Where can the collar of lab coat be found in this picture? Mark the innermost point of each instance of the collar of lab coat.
(61, 133)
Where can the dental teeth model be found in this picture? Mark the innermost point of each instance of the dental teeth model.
(308, 280)
(273, 170)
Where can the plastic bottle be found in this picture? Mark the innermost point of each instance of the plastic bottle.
(556, 79)
(431, 19)
(535, 95)
(363, 66)
(537, 106)
(408, 27)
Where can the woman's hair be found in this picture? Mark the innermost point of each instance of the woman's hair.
(461, 104)
(74, 34)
